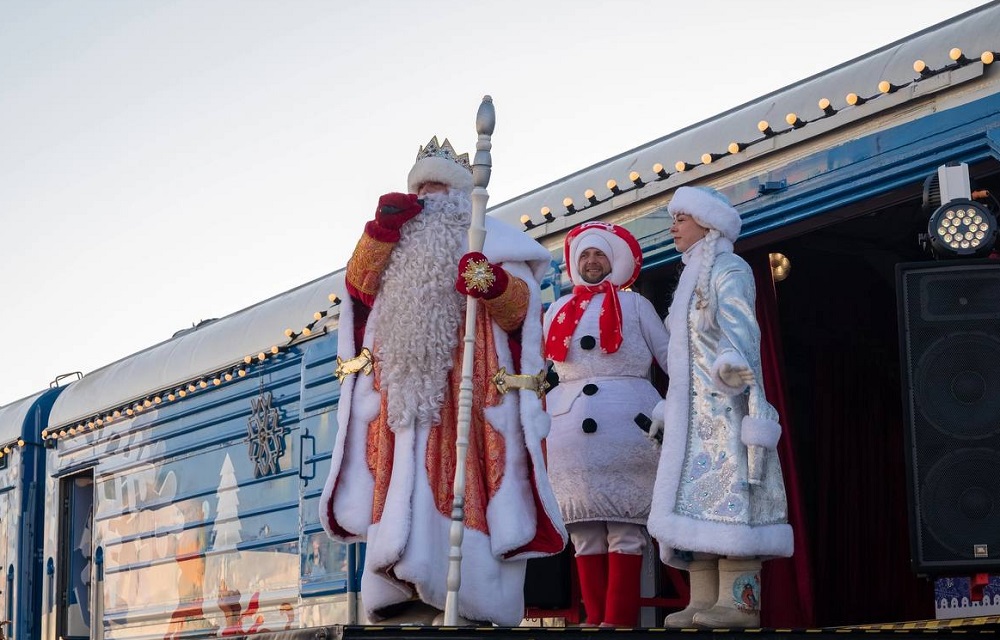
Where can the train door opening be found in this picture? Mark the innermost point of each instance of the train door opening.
(7, 540)
(76, 552)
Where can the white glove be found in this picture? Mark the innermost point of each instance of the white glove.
(736, 375)
(656, 424)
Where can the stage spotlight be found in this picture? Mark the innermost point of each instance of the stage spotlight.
(960, 227)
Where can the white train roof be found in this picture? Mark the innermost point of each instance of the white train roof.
(194, 353)
(12, 418)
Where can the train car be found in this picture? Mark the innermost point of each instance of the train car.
(181, 483)
(22, 483)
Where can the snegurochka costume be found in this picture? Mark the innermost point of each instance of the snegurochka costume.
(602, 340)
(719, 503)
(391, 484)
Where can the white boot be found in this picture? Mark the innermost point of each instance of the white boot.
(739, 596)
(704, 576)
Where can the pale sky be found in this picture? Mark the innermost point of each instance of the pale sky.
(168, 161)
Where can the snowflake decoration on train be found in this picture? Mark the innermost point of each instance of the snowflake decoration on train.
(265, 437)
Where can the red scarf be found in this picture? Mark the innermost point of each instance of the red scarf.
(564, 324)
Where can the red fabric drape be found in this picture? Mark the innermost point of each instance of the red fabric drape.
(788, 595)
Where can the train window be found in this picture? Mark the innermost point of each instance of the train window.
(76, 552)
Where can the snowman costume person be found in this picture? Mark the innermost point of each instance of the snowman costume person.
(602, 341)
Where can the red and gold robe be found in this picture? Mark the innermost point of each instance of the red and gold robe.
(393, 489)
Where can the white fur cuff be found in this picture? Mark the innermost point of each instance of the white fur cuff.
(731, 358)
(760, 432)
(434, 169)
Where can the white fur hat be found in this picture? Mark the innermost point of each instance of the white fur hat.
(616, 242)
(709, 208)
(440, 163)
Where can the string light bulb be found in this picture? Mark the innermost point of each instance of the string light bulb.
(660, 171)
(333, 298)
(590, 196)
(736, 147)
(920, 67)
(682, 166)
(795, 121)
(547, 214)
(636, 179)
(855, 100)
(987, 58)
(957, 55)
(826, 107)
(765, 128)
(887, 87)
(612, 186)
(526, 221)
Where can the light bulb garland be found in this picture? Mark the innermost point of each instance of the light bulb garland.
(795, 122)
(228, 373)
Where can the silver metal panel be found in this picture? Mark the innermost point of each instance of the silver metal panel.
(198, 352)
(12, 418)
(973, 32)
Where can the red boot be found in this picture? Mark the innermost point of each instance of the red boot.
(593, 573)
(624, 571)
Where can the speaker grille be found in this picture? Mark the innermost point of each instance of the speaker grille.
(949, 320)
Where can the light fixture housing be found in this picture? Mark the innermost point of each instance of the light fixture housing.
(962, 228)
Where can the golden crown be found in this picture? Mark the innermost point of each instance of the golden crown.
(444, 150)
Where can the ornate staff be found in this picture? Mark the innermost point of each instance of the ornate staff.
(481, 166)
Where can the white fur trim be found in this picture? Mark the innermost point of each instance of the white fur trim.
(731, 358)
(707, 210)
(506, 244)
(761, 432)
(435, 169)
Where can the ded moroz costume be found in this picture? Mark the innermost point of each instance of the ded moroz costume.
(719, 503)
(390, 481)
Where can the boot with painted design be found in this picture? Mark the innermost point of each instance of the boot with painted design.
(704, 578)
(738, 606)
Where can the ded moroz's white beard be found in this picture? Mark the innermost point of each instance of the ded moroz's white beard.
(418, 310)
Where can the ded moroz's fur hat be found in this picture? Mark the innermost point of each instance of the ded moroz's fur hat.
(439, 163)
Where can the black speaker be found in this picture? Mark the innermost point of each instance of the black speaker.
(949, 333)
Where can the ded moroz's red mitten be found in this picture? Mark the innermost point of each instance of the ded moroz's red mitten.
(479, 278)
(393, 211)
